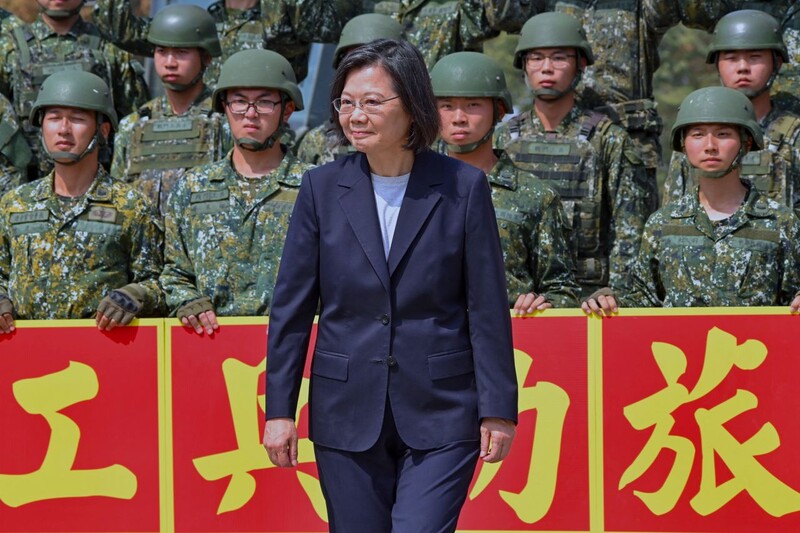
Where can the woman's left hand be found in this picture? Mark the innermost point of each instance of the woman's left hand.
(496, 437)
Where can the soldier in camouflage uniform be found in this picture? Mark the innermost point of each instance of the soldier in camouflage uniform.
(440, 27)
(748, 52)
(8, 20)
(284, 26)
(723, 243)
(226, 221)
(180, 130)
(321, 144)
(59, 39)
(77, 244)
(472, 97)
(15, 154)
(588, 160)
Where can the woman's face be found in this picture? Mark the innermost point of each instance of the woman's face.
(385, 128)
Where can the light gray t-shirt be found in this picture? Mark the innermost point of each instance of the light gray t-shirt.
(389, 193)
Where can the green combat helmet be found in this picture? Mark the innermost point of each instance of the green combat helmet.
(553, 30)
(185, 26)
(79, 89)
(718, 105)
(363, 29)
(471, 75)
(749, 29)
(61, 14)
(258, 69)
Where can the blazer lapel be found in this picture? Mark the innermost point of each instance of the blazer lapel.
(418, 203)
(357, 199)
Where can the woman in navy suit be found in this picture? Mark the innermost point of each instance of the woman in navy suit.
(413, 373)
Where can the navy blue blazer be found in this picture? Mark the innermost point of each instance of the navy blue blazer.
(430, 327)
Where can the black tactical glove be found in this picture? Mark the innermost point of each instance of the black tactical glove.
(122, 305)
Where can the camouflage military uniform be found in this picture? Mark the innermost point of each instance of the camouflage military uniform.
(154, 147)
(225, 236)
(15, 153)
(31, 53)
(775, 171)
(321, 145)
(594, 167)
(59, 261)
(284, 26)
(686, 260)
(440, 27)
(624, 36)
(8, 20)
(534, 234)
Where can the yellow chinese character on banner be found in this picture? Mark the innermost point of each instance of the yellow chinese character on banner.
(241, 382)
(721, 355)
(551, 404)
(55, 478)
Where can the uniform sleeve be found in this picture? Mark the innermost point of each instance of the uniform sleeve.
(15, 153)
(703, 14)
(790, 282)
(117, 21)
(474, 27)
(631, 201)
(487, 301)
(660, 15)
(5, 250)
(147, 260)
(294, 305)
(122, 139)
(678, 180)
(646, 288)
(553, 265)
(316, 21)
(129, 88)
(511, 15)
(178, 278)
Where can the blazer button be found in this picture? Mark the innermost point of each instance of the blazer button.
(385, 320)
(391, 361)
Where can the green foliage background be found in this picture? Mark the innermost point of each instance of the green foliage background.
(683, 69)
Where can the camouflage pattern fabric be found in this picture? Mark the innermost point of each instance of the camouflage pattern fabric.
(8, 20)
(440, 27)
(224, 236)
(320, 145)
(534, 234)
(59, 263)
(154, 147)
(786, 88)
(624, 36)
(775, 170)
(284, 26)
(686, 260)
(603, 186)
(15, 154)
(33, 52)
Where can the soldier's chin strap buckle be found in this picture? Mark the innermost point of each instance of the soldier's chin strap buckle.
(61, 14)
(252, 145)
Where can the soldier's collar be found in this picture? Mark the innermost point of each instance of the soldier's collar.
(41, 30)
(756, 204)
(687, 205)
(503, 173)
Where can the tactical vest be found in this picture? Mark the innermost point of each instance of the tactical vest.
(771, 169)
(571, 166)
(161, 149)
(36, 64)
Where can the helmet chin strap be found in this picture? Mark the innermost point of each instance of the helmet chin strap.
(60, 14)
(471, 147)
(252, 145)
(68, 158)
(180, 87)
(546, 93)
(718, 174)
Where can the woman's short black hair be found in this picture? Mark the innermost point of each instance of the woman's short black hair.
(410, 78)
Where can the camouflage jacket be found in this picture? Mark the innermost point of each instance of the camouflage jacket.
(786, 88)
(154, 147)
(594, 167)
(686, 260)
(31, 53)
(320, 145)
(58, 262)
(534, 234)
(8, 20)
(441, 27)
(284, 26)
(775, 170)
(224, 243)
(15, 154)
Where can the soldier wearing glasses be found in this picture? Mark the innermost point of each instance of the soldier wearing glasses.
(589, 161)
(226, 218)
(180, 130)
